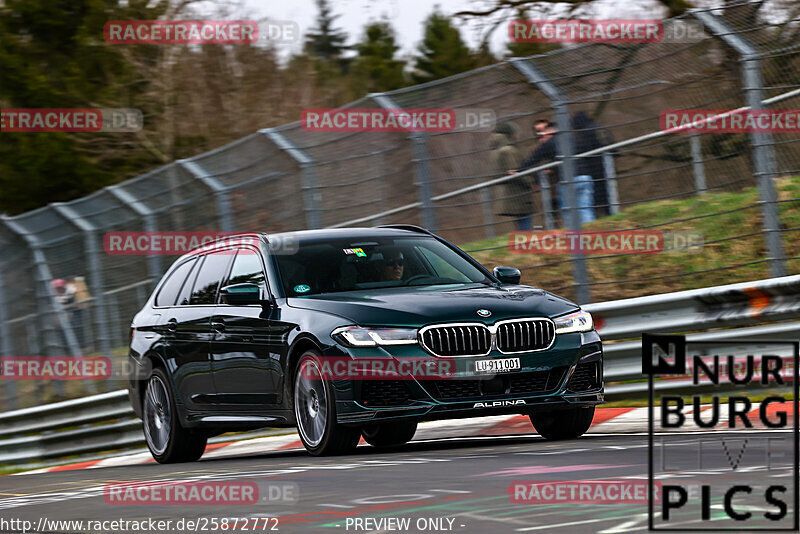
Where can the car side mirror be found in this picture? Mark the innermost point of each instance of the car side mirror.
(507, 275)
(241, 294)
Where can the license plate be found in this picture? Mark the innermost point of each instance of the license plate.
(503, 365)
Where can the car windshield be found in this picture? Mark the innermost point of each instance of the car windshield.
(336, 265)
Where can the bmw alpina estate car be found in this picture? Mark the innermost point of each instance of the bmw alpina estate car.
(353, 332)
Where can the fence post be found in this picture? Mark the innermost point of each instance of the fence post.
(5, 340)
(421, 166)
(311, 195)
(219, 190)
(611, 181)
(763, 153)
(488, 218)
(92, 250)
(31, 330)
(148, 218)
(564, 146)
(46, 299)
(547, 200)
(697, 163)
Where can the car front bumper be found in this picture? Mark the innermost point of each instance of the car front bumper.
(567, 374)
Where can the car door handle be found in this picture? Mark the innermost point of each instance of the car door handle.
(172, 325)
(218, 326)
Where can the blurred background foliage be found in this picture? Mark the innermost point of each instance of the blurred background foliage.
(195, 98)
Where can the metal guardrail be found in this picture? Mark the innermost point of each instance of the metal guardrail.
(69, 427)
(747, 303)
(105, 422)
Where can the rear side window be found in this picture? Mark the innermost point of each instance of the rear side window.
(213, 269)
(186, 290)
(169, 291)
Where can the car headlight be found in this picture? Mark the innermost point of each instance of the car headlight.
(574, 322)
(361, 336)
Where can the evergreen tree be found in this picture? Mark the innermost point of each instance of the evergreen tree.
(442, 52)
(484, 55)
(375, 67)
(324, 41)
(52, 56)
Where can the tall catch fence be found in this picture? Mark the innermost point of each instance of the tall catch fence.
(740, 191)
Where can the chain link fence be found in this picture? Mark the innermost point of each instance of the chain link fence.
(739, 190)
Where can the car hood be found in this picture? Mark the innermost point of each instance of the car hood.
(419, 306)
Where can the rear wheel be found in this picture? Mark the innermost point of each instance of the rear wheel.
(562, 424)
(389, 434)
(315, 410)
(167, 440)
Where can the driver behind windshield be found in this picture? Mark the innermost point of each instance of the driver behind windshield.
(391, 267)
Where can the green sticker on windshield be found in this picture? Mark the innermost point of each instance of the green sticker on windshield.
(357, 251)
(302, 288)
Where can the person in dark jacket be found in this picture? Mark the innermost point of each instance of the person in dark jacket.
(586, 139)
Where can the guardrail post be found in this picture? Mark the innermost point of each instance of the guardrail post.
(219, 190)
(422, 168)
(547, 200)
(92, 249)
(697, 164)
(565, 148)
(6, 347)
(762, 143)
(148, 219)
(611, 182)
(311, 195)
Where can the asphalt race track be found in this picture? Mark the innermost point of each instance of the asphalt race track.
(450, 485)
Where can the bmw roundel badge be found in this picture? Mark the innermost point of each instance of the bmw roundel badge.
(483, 312)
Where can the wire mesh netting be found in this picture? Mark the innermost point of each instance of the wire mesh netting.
(714, 185)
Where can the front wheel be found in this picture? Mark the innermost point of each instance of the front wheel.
(315, 410)
(389, 434)
(167, 440)
(562, 424)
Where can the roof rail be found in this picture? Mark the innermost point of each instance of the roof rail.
(409, 227)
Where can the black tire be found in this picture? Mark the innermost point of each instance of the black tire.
(314, 407)
(389, 434)
(167, 440)
(562, 424)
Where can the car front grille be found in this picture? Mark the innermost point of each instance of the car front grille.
(510, 337)
(514, 384)
(382, 393)
(527, 335)
(585, 377)
(457, 340)
(456, 389)
(537, 382)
